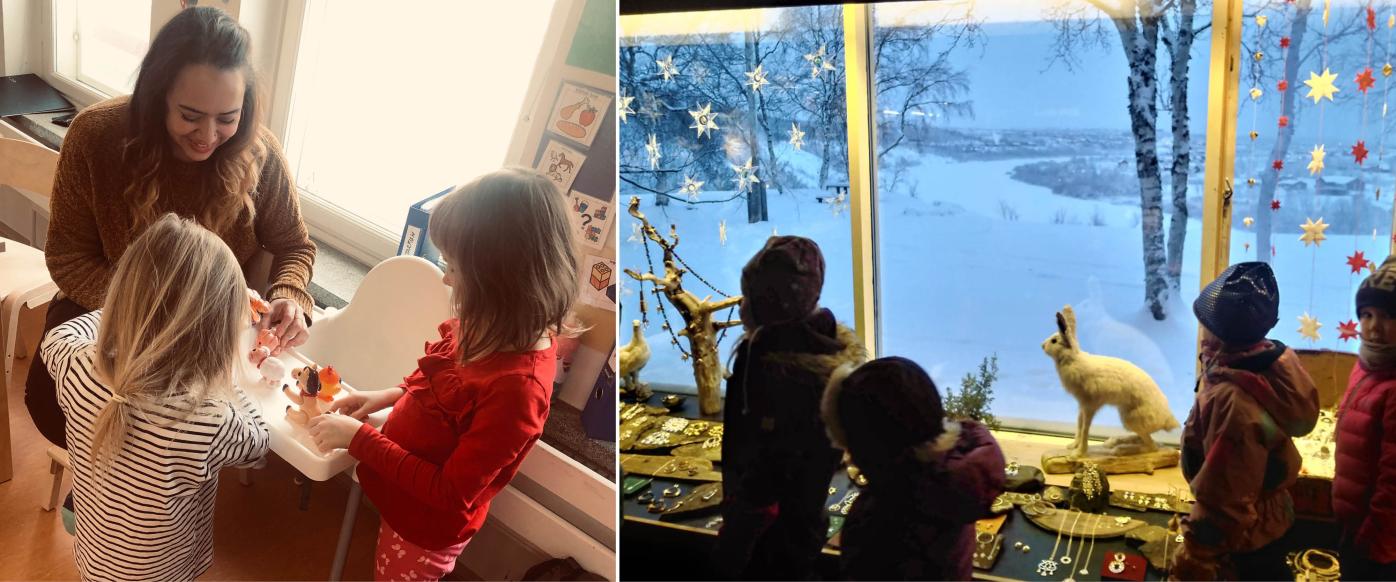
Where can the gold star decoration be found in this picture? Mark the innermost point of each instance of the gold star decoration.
(1308, 327)
(1259, 56)
(1248, 221)
(667, 68)
(623, 107)
(757, 79)
(1316, 161)
(1250, 181)
(1391, 21)
(1386, 70)
(797, 137)
(1254, 134)
(1321, 86)
(1261, 19)
(652, 150)
(691, 187)
(818, 63)
(1256, 93)
(746, 176)
(1326, 5)
(704, 120)
(1313, 232)
(722, 232)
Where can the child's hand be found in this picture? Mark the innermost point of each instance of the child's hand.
(361, 404)
(287, 321)
(333, 431)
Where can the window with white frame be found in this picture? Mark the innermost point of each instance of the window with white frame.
(99, 44)
(392, 103)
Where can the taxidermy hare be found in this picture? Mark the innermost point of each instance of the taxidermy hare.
(1096, 381)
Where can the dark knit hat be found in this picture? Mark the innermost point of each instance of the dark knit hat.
(1379, 288)
(782, 282)
(1241, 305)
(884, 408)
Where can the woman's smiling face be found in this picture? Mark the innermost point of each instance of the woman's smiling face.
(203, 110)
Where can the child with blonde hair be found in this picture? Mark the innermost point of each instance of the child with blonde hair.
(147, 389)
(464, 420)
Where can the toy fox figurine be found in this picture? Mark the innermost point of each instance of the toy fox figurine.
(329, 383)
(310, 397)
(259, 306)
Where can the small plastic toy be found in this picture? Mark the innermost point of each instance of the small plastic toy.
(329, 383)
(259, 306)
(273, 371)
(311, 395)
(267, 342)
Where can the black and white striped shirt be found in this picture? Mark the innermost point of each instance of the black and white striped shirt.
(149, 516)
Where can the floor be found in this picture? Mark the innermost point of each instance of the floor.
(259, 532)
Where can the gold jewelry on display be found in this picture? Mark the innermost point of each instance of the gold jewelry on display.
(1048, 566)
(673, 491)
(1070, 537)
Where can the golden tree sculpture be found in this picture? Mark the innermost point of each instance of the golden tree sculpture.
(699, 326)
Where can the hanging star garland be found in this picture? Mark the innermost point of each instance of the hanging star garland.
(1284, 42)
(667, 68)
(1371, 19)
(1359, 152)
(1365, 80)
(722, 232)
(1347, 330)
(1274, 205)
(635, 233)
(1326, 5)
(746, 176)
(652, 150)
(756, 79)
(1278, 165)
(1321, 86)
(1284, 121)
(1316, 159)
(704, 120)
(1386, 70)
(1254, 134)
(1247, 246)
(1256, 93)
(1391, 21)
(691, 187)
(623, 109)
(1357, 262)
(1283, 85)
(1250, 182)
(818, 62)
(797, 137)
(1260, 20)
(1308, 327)
(1313, 232)
(1259, 56)
(1248, 221)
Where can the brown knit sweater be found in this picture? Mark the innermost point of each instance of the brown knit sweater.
(92, 223)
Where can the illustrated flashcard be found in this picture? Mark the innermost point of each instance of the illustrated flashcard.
(560, 164)
(578, 113)
(592, 217)
(599, 282)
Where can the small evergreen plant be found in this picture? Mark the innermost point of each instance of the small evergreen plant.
(975, 395)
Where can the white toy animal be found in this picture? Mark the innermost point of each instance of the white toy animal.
(1096, 381)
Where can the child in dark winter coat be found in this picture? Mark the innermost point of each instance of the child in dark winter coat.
(776, 458)
(929, 478)
(1364, 483)
(1238, 453)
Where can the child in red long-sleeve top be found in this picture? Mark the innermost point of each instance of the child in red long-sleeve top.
(465, 419)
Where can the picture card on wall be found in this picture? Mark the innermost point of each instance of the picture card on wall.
(593, 218)
(578, 113)
(599, 282)
(560, 164)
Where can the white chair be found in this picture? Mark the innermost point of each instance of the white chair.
(24, 280)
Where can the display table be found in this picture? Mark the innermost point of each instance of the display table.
(680, 547)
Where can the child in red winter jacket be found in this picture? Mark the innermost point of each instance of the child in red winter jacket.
(1364, 482)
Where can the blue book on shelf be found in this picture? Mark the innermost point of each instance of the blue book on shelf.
(415, 241)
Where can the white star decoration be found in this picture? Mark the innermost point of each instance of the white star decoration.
(667, 68)
(797, 137)
(635, 233)
(756, 79)
(722, 232)
(691, 187)
(704, 120)
(1248, 221)
(1313, 232)
(1316, 161)
(1308, 327)
(652, 149)
(818, 63)
(623, 107)
(746, 176)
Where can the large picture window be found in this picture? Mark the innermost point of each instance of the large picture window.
(99, 43)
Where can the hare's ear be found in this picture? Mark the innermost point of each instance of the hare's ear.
(1061, 330)
(1070, 321)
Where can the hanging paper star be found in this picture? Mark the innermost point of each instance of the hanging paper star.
(1359, 152)
(1250, 181)
(1308, 327)
(1386, 70)
(1278, 165)
(1260, 20)
(1357, 262)
(1254, 134)
(1284, 42)
(746, 176)
(1316, 161)
(1371, 19)
(1248, 221)
(818, 62)
(1282, 85)
(797, 137)
(1391, 21)
(691, 187)
(1284, 120)
(652, 150)
(756, 79)
(1347, 330)
(704, 120)
(1274, 205)
(1321, 86)
(1313, 232)
(635, 233)
(623, 107)
(722, 232)
(1256, 93)
(667, 68)
(1259, 56)
(1365, 80)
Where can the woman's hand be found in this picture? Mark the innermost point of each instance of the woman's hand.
(361, 404)
(333, 431)
(287, 321)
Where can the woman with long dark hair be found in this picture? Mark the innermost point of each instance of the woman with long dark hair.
(189, 141)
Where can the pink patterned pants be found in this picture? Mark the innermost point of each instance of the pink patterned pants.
(399, 559)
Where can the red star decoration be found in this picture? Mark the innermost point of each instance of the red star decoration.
(1274, 205)
(1357, 262)
(1371, 19)
(1284, 42)
(1365, 80)
(1282, 85)
(1278, 165)
(1347, 330)
(1359, 151)
(1284, 120)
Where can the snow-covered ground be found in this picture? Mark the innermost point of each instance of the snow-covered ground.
(961, 281)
